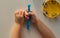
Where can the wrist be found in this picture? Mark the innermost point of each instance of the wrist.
(17, 26)
(36, 22)
(18, 23)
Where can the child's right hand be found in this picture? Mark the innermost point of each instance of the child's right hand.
(34, 19)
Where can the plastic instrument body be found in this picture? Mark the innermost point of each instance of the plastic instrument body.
(28, 21)
(51, 9)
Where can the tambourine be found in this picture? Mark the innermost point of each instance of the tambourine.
(51, 9)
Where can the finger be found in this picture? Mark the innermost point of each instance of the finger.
(17, 11)
(31, 13)
(26, 15)
(20, 12)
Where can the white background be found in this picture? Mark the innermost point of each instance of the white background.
(7, 8)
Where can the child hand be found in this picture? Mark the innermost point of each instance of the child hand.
(19, 16)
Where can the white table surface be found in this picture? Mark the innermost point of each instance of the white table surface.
(7, 8)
